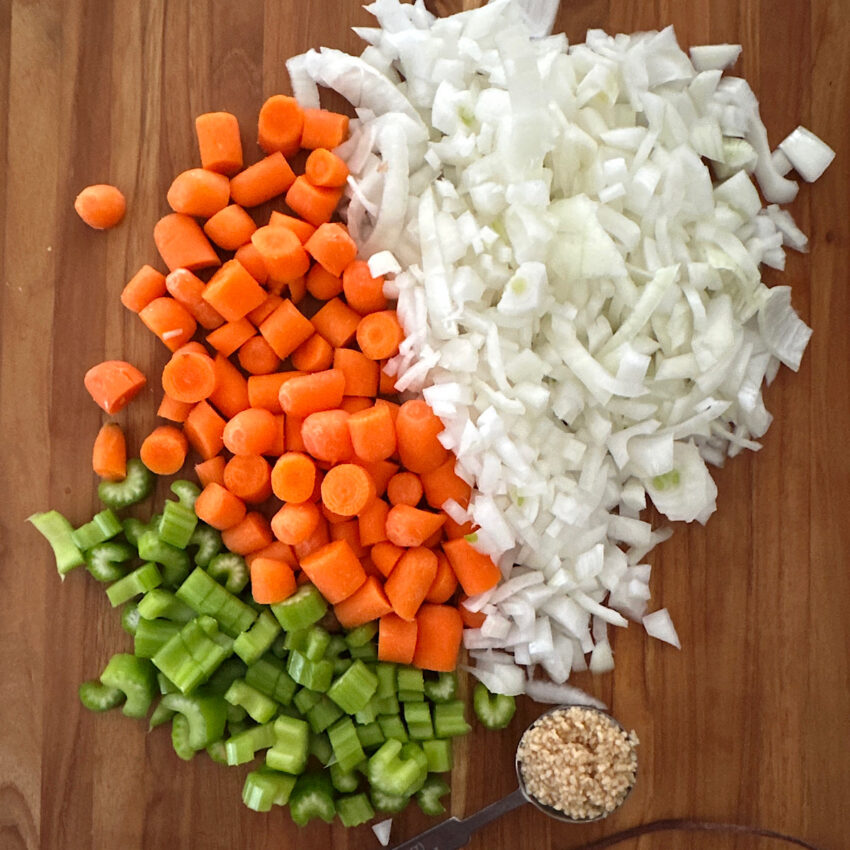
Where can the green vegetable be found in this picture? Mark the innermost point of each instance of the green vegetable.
(161, 603)
(315, 675)
(259, 706)
(290, 750)
(229, 569)
(305, 607)
(449, 720)
(140, 581)
(250, 645)
(311, 798)
(428, 796)
(135, 678)
(265, 788)
(205, 715)
(243, 747)
(354, 688)
(354, 809)
(208, 541)
(316, 643)
(133, 529)
(161, 714)
(177, 524)
(323, 714)
(269, 676)
(441, 689)
(439, 754)
(136, 486)
(225, 675)
(361, 635)
(180, 737)
(388, 803)
(494, 711)
(152, 635)
(320, 748)
(99, 529)
(96, 696)
(410, 679)
(346, 744)
(108, 561)
(417, 716)
(187, 492)
(370, 735)
(130, 617)
(175, 562)
(397, 769)
(392, 728)
(205, 595)
(59, 534)
(344, 781)
(193, 654)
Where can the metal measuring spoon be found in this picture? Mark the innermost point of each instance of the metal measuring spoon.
(455, 832)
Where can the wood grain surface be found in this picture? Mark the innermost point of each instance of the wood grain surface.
(747, 723)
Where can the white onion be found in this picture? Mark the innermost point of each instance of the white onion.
(382, 830)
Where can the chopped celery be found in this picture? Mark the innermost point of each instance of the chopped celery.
(290, 750)
(265, 788)
(345, 781)
(269, 676)
(388, 803)
(386, 673)
(417, 716)
(136, 486)
(449, 720)
(410, 679)
(354, 688)
(397, 768)
(315, 675)
(305, 699)
(152, 635)
(130, 617)
(101, 527)
(323, 714)
(161, 603)
(354, 809)
(362, 634)
(175, 562)
(320, 748)
(136, 677)
(317, 642)
(206, 716)
(243, 747)
(187, 492)
(370, 735)
(311, 798)
(260, 707)
(443, 688)
(140, 581)
(305, 607)
(206, 596)
(161, 714)
(494, 711)
(177, 524)
(58, 532)
(229, 569)
(180, 737)
(428, 796)
(411, 696)
(216, 752)
(346, 745)
(208, 541)
(96, 696)
(250, 645)
(393, 728)
(108, 561)
(439, 754)
(225, 675)
(366, 652)
(133, 529)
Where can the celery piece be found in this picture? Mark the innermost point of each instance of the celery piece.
(140, 581)
(265, 788)
(341, 664)
(229, 569)
(388, 803)
(136, 677)
(175, 562)
(393, 728)
(236, 714)
(305, 607)
(417, 716)
(206, 596)
(130, 617)
(411, 696)
(269, 676)
(58, 532)
(260, 707)
(366, 652)
(243, 747)
(306, 699)
(386, 673)
(387, 705)
(180, 737)
(315, 675)
(290, 750)
(193, 654)
(354, 809)
(410, 679)
(449, 720)
(177, 524)
(252, 644)
(354, 688)
(439, 755)
(428, 796)
(215, 751)
(206, 716)
(96, 696)
(320, 748)
(317, 642)
(187, 492)
(103, 526)
(311, 798)
(133, 529)
(335, 648)
(346, 745)
(208, 541)
(370, 735)
(362, 634)
(324, 713)
(137, 486)
(441, 689)
(494, 711)
(161, 603)
(108, 561)
(152, 635)
(369, 713)
(344, 781)
(225, 675)
(161, 714)
(397, 768)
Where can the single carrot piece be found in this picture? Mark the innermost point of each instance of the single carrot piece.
(325, 435)
(380, 470)
(315, 204)
(272, 581)
(262, 181)
(336, 322)
(396, 639)
(417, 429)
(176, 411)
(100, 206)
(302, 229)
(443, 483)
(471, 619)
(204, 429)
(113, 384)
(295, 522)
(189, 376)
(445, 582)
(218, 507)
(145, 285)
(408, 526)
(230, 395)
(404, 488)
(279, 126)
(282, 252)
(386, 381)
(347, 489)
(349, 531)
(211, 470)
(248, 477)
(361, 373)
(372, 522)
(475, 571)
(297, 289)
(434, 540)
(226, 339)
(367, 603)
(313, 355)
(364, 293)
(312, 392)
(452, 530)
(286, 328)
(219, 142)
(355, 404)
(251, 533)
(409, 581)
(293, 477)
(259, 314)
(187, 289)
(230, 228)
(264, 390)
(332, 247)
(278, 447)
(250, 432)
(233, 292)
(294, 440)
(438, 639)
(322, 284)
(109, 453)
(250, 258)
(323, 129)
(385, 556)
(182, 244)
(372, 433)
(257, 357)
(328, 514)
(392, 407)
(335, 570)
(319, 538)
(198, 192)
(276, 550)
(164, 450)
(324, 168)
(379, 335)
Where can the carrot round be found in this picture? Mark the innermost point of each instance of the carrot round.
(438, 638)
(314, 355)
(264, 390)
(145, 285)
(361, 373)
(113, 384)
(367, 603)
(324, 168)
(233, 292)
(355, 404)
(319, 538)
(204, 429)
(302, 229)
(211, 470)
(295, 522)
(443, 483)
(277, 551)
(445, 582)
(198, 192)
(385, 556)
(219, 142)
(379, 334)
(250, 257)
(404, 488)
(176, 411)
(248, 477)
(297, 289)
(315, 204)
(323, 129)
(164, 450)
(325, 435)
(475, 571)
(218, 507)
(322, 284)
(100, 206)
(282, 253)
(230, 228)
(230, 395)
(251, 533)
(279, 125)
(372, 433)
(396, 639)
(250, 432)
(286, 328)
(471, 619)
(188, 376)
(311, 393)
(109, 453)
(408, 526)
(170, 321)
(293, 477)
(227, 339)
(331, 247)
(272, 580)
(372, 522)
(336, 322)
(259, 314)
(410, 580)
(364, 293)
(257, 357)
(262, 181)
(182, 244)
(386, 382)
(335, 570)
(381, 472)
(417, 428)
(347, 489)
(188, 289)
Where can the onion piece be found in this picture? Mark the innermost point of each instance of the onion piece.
(659, 625)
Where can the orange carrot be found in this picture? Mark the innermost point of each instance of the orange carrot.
(323, 129)
(259, 314)
(372, 522)
(272, 581)
(219, 142)
(257, 357)
(364, 293)
(444, 483)
(433, 540)
(204, 429)
(198, 192)
(262, 181)
(361, 373)
(295, 522)
(109, 453)
(281, 250)
(293, 477)
(336, 322)
(248, 477)
(226, 339)
(391, 406)
(355, 404)
(100, 206)
(302, 229)
(315, 204)
(279, 126)
(297, 289)
(176, 411)
(364, 605)
(113, 384)
(379, 335)
(325, 435)
(440, 631)
(381, 472)
(386, 385)
(250, 257)
(233, 292)
(182, 244)
(331, 247)
(396, 639)
(347, 489)
(250, 432)
(312, 392)
(316, 541)
(251, 533)
(231, 389)
(314, 355)
(372, 433)
(453, 530)
(264, 390)
(286, 328)
(475, 571)
(164, 450)
(385, 556)
(145, 285)
(324, 168)
(409, 581)
(187, 289)
(278, 447)
(329, 515)
(294, 440)
(276, 550)
(404, 488)
(407, 526)
(230, 228)
(471, 619)
(322, 284)
(445, 582)
(189, 376)
(211, 470)
(416, 431)
(218, 507)
(335, 570)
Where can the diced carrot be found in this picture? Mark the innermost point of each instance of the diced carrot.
(218, 507)
(259, 314)
(109, 453)
(164, 450)
(364, 605)
(176, 411)
(204, 429)
(355, 404)
(396, 639)
(324, 168)
(381, 472)
(328, 514)
(272, 580)
(386, 385)
(453, 530)
(262, 181)
(230, 228)
(250, 432)
(314, 355)
(445, 582)
(391, 406)
(231, 389)
(251, 533)
(294, 440)
(302, 229)
(334, 570)
(276, 550)
(286, 328)
(322, 284)
(331, 247)
(385, 556)
(438, 639)
(409, 581)
(248, 477)
(475, 571)
(372, 522)
(361, 373)
(347, 489)
(372, 433)
(471, 619)
(188, 289)
(312, 392)
(198, 192)
(404, 488)
(293, 477)
(250, 257)
(113, 384)
(233, 292)
(282, 252)
(295, 522)
(182, 244)
(264, 390)
(336, 322)
(257, 357)
(145, 285)
(348, 531)
(325, 435)
(219, 142)
(169, 320)
(364, 293)
(278, 447)
(297, 289)
(434, 540)
(444, 483)
(211, 470)
(407, 526)
(323, 129)
(100, 206)
(189, 376)
(315, 204)
(379, 335)
(280, 124)
(226, 339)
(319, 538)
(417, 428)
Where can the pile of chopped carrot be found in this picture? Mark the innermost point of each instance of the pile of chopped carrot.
(309, 465)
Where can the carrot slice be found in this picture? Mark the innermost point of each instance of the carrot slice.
(335, 570)
(379, 335)
(332, 247)
(248, 477)
(372, 522)
(230, 228)
(336, 322)
(347, 489)
(226, 339)
(315, 204)
(445, 582)
(233, 292)
(396, 639)
(257, 357)
(364, 293)
(409, 581)
(404, 488)
(417, 430)
(100, 206)
(109, 453)
(407, 526)
(324, 168)
(272, 580)
(302, 229)
(176, 411)
(323, 129)
(230, 395)
(293, 477)
(182, 244)
(250, 432)
(188, 289)
(295, 522)
(475, 571)
(277, 551)
(218, 507)
(251, 533)
(311, 393)
(314, 355)
(279, 126)
(145, 285)
(322, 284)
(439, 634)
(325, 435)
(219, 142)
(372, 433)
(204, 429)
(361, 373)
(264, 390)
(367, 603)
(211, 470)
(198, 192)
(164, 450)
(113, 384)
(281, 250)
(189, 376)
(250, 257)
(385, 556)
(286, 328)
(262, 181)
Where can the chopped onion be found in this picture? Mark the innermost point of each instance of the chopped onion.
(382, 831)
(659, 625)
(808, 155)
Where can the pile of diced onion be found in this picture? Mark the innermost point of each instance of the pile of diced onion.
(574, 236)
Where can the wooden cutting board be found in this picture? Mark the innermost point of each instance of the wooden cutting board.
(747, 723)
